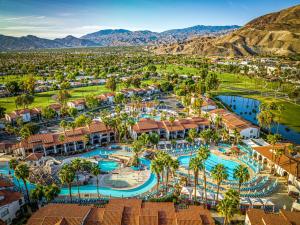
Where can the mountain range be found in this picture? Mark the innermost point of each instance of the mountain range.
(276, 33)
(109, 37)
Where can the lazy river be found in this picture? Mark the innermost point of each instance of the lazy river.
(110, 165)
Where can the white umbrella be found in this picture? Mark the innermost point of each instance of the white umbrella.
(210, 196)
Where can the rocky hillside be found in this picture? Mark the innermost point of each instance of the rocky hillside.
(119, 37)
(272, 34)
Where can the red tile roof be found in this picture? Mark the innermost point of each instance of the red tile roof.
(259, 217)
(121, 212)
(9, 197)
(34, 156)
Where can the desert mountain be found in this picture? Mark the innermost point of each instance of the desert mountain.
(272, 34)
(108, 37)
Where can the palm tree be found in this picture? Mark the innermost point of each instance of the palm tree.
(37, 193)
(96, 171)
(76, 164)
(205, 135)
(218, 122)
(22, 172)
(156, 167)
(278, 153)
(241, 174)
(136, 148)
(195, 164)
(63, 124)
(51, 192)
(228, 206)
(67, 176)
(227, 209)
(236, 137)
(219, 174)
(273, 139)
(154, 139)
(203, 153)
(13, 163)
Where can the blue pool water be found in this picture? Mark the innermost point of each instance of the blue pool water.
(211, 162)
(97, 152)
(108, 166)
(148, 116)
(92, 189)
(248, 108)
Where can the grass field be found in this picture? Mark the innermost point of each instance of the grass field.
(256, 88)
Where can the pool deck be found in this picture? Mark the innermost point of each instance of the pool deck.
(124, 178)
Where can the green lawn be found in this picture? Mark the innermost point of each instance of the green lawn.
(45, 98)
(6, 78)
(234, 84)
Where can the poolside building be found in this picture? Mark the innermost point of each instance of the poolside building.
(260, 217)
(167, 130)
(78, 104)
(11, 203)
(285, 165)
(66, 142)
(233, 122)
(121, 212)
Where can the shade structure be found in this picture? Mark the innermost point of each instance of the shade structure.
(221, 197)
(245, 201)
(256, 202)
(267, 202)
(210, 196)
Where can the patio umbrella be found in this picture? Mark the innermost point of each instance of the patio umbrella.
(210, 195)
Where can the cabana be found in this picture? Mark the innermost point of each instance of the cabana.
(268, 204)
(256, 203)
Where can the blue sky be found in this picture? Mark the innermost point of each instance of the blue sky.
(58, 18)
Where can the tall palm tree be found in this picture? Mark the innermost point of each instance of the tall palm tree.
(13, 163)
(76, 164)
(137, 148)
(227, 209)
(236, 137)
(156, 167)
(277, 156)
(67, 176)
(203, 153)
(22, 172)
(96, 171)
(206, 135)
(195, 164)
(218, 122)
(228, 206)
(241, 174)
(154, 139)
(219, 174)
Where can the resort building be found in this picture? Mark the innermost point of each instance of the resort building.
(167, 130)
(56, 107)
(121, 212)
(106, 98)
(78, 104)
(260, 217)
(66, 142)
(10, 205)
(26, 115)
(233, 122)
(285, 165)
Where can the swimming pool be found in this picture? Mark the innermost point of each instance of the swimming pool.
(211, 162)
(92, 189)
(108, 166)
(148, 116)
(97, 152)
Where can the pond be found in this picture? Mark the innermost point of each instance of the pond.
(248, 108)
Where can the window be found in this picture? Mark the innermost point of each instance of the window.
(20, 202)
(251, 131)
(4, 213)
